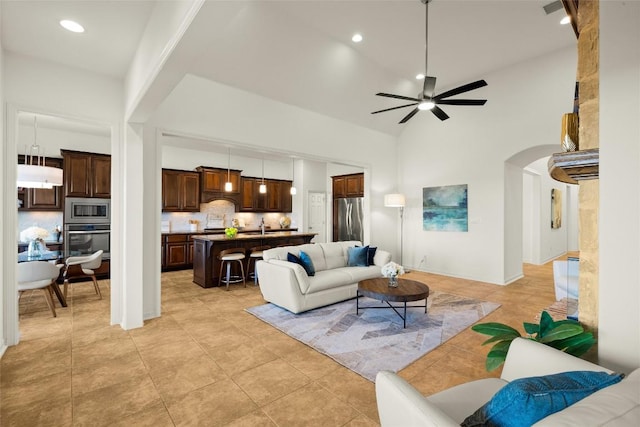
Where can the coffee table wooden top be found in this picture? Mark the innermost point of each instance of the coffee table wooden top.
(407, 290)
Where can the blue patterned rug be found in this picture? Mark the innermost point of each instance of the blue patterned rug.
(375, 340)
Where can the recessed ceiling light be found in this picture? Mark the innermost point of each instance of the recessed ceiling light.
(72, 26)
(419, 76)
(565, 20)
(357, 38)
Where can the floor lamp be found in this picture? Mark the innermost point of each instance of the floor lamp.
(397, 201)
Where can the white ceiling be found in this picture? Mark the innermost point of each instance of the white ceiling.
(300, 52)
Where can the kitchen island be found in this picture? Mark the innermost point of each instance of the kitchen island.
(206, 266)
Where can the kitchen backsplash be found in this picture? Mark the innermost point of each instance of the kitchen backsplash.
(46, 220)
(220, 213)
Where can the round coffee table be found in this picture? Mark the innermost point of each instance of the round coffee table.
(407, 290)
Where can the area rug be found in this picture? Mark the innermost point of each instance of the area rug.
(375, 340)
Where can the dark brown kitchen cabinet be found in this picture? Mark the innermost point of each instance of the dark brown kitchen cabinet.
(214, 179)
(41, 199)
(351, 185)
(180, 191)
(247, 196)
(87, 174)
(177, 251)
(276, 199)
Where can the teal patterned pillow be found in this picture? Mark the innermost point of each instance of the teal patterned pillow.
(525, 401)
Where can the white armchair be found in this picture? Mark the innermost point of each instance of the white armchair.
(83, 266)
(399, 404)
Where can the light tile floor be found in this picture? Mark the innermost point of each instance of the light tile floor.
(207, 362)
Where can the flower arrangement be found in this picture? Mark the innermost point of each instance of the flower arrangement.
(33, 233)
(391, 269)
(231, 232)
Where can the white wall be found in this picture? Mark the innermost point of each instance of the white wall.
(525, 103)
(549, 243)
(3, 203)
(210, 110)
(619, 221)
(52, 140)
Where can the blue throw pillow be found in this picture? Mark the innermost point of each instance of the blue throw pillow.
(305, 261)
(308, 266)
(357, 256)
(525, 401)
(371, 254)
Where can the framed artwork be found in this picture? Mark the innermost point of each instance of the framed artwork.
(556, 208)
(445, 208)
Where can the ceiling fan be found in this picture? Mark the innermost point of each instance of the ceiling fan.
(426, 100)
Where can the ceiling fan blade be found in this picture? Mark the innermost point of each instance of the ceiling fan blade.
(429, 87)
(461, 89)
(408, 116)
(462, 101)
(393, 108)
(439, 113)
(390, 95)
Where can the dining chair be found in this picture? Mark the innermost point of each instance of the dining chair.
(82, 266)
(38, 275)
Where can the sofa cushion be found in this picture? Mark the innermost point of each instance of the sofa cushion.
(335, 255)
(617, 405)
(525, 401)
(381, 258)
(359, 273)
(357, 256)
(328, 279)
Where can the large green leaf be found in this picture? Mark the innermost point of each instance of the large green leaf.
(561, 332)
(508, 337)
(580, 344)
(495, 329)
(546, 324)
(531, 328)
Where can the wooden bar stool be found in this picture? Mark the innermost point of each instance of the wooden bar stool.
(255, 254)
(227, 257)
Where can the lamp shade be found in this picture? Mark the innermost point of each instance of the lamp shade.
(34, 176)
(394, 200)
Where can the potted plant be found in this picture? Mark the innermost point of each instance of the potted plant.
(565, 335)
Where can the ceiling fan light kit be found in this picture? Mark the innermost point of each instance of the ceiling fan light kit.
(426, 100)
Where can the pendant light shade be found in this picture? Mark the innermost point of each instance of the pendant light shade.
(33, 173)
(293, 191)
(228, 186)
(263, 186)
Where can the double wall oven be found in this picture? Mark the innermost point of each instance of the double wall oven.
(87, 226)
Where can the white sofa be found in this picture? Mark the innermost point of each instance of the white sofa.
(399, 404)
(287, 284)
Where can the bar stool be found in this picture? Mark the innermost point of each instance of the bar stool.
(226, 257)
(255, 254)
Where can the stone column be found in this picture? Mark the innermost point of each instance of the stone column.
(589, 196)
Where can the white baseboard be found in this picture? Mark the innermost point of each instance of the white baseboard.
(2, 350)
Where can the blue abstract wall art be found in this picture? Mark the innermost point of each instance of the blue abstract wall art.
(445, 208)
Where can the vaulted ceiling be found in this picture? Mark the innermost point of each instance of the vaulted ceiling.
(300, 52)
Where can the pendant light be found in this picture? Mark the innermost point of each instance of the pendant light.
(293, 191)
(263, 186)
(37, 175)
(228, 186)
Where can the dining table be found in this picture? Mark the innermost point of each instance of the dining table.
(46, 256)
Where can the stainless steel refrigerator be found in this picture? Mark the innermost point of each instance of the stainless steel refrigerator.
(348, 219)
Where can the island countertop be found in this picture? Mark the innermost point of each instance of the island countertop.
(252, 236)
(207, 247)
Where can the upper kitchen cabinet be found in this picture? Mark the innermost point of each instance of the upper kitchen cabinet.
(277, 198)
(41, 199)
(87, 174)
(212, 181)
(180, 191)
(345, 186)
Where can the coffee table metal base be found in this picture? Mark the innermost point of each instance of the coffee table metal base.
(403, 316)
